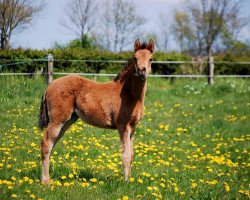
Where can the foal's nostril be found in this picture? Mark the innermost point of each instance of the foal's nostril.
(144, 69)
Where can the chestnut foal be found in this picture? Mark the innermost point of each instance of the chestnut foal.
(116, 105)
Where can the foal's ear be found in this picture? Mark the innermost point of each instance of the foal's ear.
(137, 45)
(150, 46)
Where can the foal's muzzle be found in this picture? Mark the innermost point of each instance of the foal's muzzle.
(142, 74)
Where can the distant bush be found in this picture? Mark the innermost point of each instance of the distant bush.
(233, 68)
(66, 61)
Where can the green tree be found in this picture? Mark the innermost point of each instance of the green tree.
(16, 15)
(205, 21)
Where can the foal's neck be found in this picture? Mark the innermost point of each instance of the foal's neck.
(134, 85)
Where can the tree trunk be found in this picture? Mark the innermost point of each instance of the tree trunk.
(210, 67)
(2, 42)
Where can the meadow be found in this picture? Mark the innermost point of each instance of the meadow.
(193, 143)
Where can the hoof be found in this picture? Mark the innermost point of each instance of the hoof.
(45, 181)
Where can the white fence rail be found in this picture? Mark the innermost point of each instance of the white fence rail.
(49, 68)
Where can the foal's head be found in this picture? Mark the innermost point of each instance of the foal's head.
(142, 58)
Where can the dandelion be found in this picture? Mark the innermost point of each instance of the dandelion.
(85, 184)
(93, 180)
(148, 130)
(10, 187)
(33, 144)
(182, 193)
(227, 187)
(71, 175)
(150, 188)
(66, 184)
(32, 196)
(125, 198)
(58, 183)
(131, 180)
(140, 180)
(213, 182)
(63, 177)
(162, 185)
(14, 196)
(194, 185)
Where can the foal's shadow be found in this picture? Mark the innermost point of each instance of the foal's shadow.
(86, 174)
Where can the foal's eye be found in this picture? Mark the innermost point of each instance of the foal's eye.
(150, 60)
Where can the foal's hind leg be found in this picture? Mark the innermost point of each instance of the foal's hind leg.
(53, 134)
(47, 144)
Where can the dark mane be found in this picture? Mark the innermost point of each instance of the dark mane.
(124, 71)
(127, 66)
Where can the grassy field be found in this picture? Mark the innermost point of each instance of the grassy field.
(193, 143)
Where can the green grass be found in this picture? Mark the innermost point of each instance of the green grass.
(193, 143)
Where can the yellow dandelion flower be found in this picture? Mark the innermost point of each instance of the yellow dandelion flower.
(71, 175)
(140, 180)
(210, 170)
(125, 198)
(63, 177)
(227, 187)
(162, 185)
(85, 184)
(33, 144)
(32, 196)
(93, 180)
(148, 130)
(58, 183)
(10, 187)
(150, 188)
(66, 184)
(14, 196)
(131, 180)
(182, 193)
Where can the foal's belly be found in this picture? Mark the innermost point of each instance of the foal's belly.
(96, 118)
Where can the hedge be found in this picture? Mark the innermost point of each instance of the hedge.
(62, 63)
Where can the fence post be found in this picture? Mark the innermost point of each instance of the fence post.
(49, 69)
(210, 70)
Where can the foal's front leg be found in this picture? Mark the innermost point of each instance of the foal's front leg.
(126, 134)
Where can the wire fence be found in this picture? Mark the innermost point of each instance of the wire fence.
(49, 58)
(17, 62)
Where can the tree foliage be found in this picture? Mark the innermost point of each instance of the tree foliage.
(16, 15)
(203, 22)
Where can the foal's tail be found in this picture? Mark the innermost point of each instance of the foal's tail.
(43, 116)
